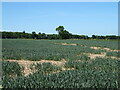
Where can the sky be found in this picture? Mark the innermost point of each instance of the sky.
(83, 18)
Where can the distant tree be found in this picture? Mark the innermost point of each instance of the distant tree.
(111, 37)
(75, 36)
(34, 35)
(52, 36)
(39, 35)
(60, 28)
(4, 35)
(24, 35)
(83, 37)
(100, 37)
(43, 36)
(93, 36)
(63, 34)
(24, 32)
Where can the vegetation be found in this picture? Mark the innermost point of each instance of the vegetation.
(79, 70)
(49, 50)
(112, 54)
(62, 34)
(84, 63)
(99, 73)
(11, 68)
(45, 67)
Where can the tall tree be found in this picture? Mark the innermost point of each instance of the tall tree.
(60, 28)
(63, 34)
(93, 36)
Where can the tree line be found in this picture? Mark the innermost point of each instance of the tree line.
(62, 34)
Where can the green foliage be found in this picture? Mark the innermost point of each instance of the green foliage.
(80, 57)
(47, 49)
(67, 79)
(74, 64)
(112, 54)
(98, 73)
(91, 73)
(64, 34)
(46, 67)
(11, 69)
(34, 35)
(104, 64)
(60, 28)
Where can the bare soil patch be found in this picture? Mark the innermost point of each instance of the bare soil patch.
(102, 55)
(93, 56)
(96, 48)
(100, 48)
(113, 57)
(26, 64)
(72, 44)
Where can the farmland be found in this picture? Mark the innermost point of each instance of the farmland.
(69, 63)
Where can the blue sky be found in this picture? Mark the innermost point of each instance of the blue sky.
(88, 18)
